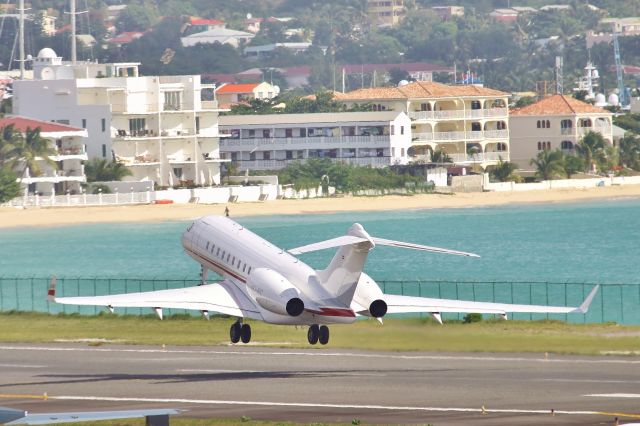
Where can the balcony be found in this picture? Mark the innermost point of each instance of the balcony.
(305, 142)
(443, 137)
(457, 114)
(70, 153)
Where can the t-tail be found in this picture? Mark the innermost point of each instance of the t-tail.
(342, 275)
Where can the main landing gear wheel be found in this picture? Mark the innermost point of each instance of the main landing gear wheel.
(245, 333)
(323, 335)
(313, 334)
(235, 332)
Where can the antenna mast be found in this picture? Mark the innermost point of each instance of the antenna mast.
(559, 79)
(21, 39)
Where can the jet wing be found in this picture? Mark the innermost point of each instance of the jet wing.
(223, 297)
(86, 416)
(407, 304)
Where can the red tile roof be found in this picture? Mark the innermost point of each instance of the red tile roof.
(237, 88)
(23, 123)
(126, 37)
(200, 21)
(558, 105)
(421, 89)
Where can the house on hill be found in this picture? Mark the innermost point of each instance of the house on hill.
(233, 94)
(555, 122)
(68, 145)
(468, 123)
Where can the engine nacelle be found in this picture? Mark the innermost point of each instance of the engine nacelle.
(369, 295)
(274, 292)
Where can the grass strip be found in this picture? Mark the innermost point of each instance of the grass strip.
(397, 334)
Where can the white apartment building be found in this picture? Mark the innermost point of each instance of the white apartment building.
(468, 123)
(555, 122)
(68, 144)
(270, 142)
(159, 127)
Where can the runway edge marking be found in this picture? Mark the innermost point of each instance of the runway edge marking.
(314, 405)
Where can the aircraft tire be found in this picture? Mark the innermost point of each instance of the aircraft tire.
(245, 333)
(313, 334)
(323, 335)
(235, 332)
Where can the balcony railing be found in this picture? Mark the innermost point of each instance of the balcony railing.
(458, 114)
(459, 136)
(481, 157)
(309, 140)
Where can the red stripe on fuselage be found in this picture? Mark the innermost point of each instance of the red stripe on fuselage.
(333, 312)
(221, 267)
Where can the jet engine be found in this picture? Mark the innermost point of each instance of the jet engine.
(274, 292)
(368, 295)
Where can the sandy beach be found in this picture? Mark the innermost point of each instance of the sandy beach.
(59, 216)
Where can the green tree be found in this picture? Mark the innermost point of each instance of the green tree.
(572, 165)
(549, 164)
(9, 187)
(630, 151)
(503, 171)
(440, 157)
(101, 170)
(591, 149)
(20, 152)
(138, 16)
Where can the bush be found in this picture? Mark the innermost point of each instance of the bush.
(469, 318)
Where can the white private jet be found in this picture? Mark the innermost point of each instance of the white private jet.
(266, 283)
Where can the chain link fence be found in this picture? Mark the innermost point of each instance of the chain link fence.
(619, 303)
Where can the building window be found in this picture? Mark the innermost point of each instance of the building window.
(401, 152)
(178, 172)
(538, 124)
(289, 155)
(266, 155)
(566, 145)
(266, 133)
(104, 151)
(252, 133)
(103, 123)
(402, 130)
(172, 101)
(393, 130)
(197, 125)
(288, 133)
(476, 105)
(84, 123)
(137, 126)
(566, 124)
(501, 146)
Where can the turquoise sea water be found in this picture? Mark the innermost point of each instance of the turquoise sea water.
(584, 242)
(522, 248)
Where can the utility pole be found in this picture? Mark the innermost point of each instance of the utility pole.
(21, 39)
(73, 32)
(559, 79)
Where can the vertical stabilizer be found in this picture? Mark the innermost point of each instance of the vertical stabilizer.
(341, 277)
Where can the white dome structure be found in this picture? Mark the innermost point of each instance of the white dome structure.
(402, 83)
(600, 100)
(47, 53)
(613, 99)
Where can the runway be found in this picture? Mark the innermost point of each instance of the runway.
(324, 385)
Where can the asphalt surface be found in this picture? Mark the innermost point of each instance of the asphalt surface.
(324, 385)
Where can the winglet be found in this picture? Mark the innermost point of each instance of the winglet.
(587, 302)
(51, 294)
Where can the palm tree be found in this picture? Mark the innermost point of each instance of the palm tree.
(101, 170)
(503, 171)
(572, 165)
(592, 149)
(9, 137)
(630, 152)
(549, 164)
(440, 157)
(27, 151)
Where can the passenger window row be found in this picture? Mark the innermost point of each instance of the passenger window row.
(210, 247)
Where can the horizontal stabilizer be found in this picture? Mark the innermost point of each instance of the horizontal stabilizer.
(345, 240)
(400, 244)
(351, 239)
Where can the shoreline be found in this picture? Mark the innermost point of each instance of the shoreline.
(65, 216)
